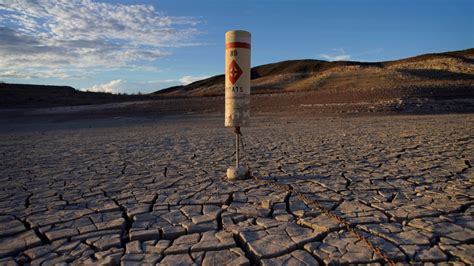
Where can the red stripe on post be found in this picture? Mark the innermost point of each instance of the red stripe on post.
(237, 45)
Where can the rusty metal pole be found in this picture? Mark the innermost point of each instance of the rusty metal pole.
(237, 139)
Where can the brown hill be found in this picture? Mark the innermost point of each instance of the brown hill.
(430, 83)
(442, 74)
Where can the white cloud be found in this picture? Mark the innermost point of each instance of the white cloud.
(87, 34)
(344, 57)
(339, 54)
(39, 74)
(115, 86)
(14, 74)
(185, 80)
(124, 86)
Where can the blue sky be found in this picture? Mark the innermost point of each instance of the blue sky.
(131, 46)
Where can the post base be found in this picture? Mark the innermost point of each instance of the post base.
(239, 173)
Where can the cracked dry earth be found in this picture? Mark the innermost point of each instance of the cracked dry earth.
(154, 192)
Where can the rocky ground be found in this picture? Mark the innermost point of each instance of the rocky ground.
(146, 191)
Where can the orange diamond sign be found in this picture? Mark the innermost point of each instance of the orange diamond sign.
(234, 72)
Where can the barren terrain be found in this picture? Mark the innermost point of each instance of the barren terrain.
(351, 163)
(152, 189)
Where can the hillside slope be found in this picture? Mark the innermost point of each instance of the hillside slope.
(450, 73)
(28, 95)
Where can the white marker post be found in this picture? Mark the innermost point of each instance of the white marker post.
(237, 91)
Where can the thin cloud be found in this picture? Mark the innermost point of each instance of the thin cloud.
(339, 54)
(344, 57)
(185, 80)
(86, 34)
(39, 74)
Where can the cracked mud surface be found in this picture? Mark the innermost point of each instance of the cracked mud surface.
(154, 192)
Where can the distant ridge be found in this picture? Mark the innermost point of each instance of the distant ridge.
(436, 76)
(29, 95)
(436, 70)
